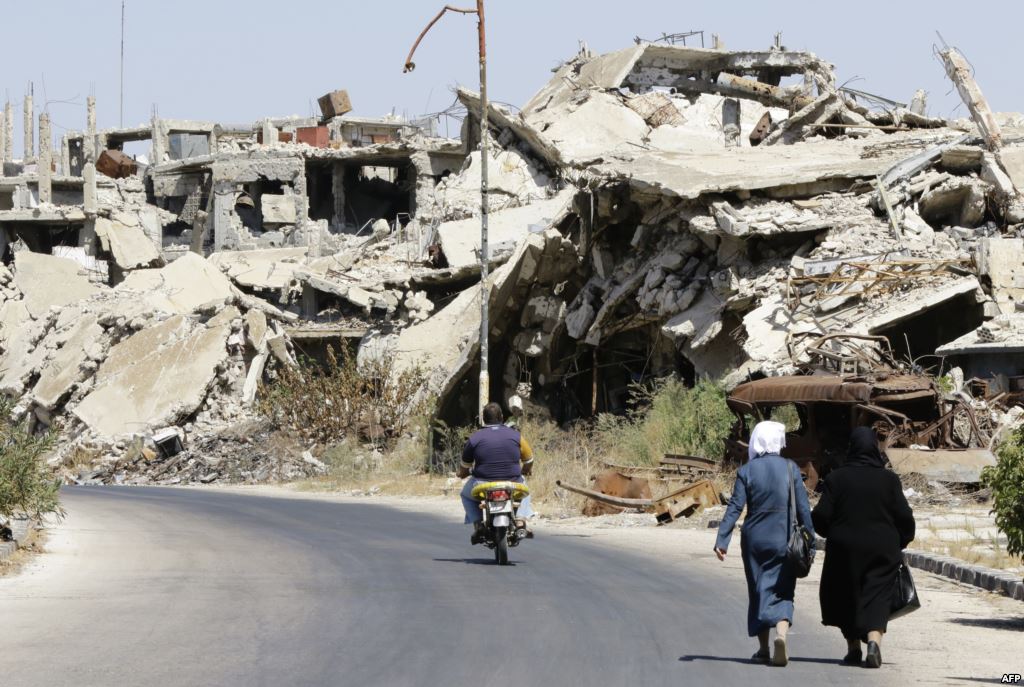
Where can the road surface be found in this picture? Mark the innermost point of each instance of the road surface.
(149, 586)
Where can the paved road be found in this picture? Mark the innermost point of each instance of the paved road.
(147, 586)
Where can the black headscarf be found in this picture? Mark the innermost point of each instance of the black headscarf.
(864, 449)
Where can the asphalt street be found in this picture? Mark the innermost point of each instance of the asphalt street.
(150, 586)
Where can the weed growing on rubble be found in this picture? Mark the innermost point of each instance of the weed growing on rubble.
(667, 418)
(1006, 480)
(27, 486)
(371, 401)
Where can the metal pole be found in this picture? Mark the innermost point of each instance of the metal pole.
(485, 381)
(122, 65)
(485, 378)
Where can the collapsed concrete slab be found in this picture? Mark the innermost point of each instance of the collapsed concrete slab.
(186, 284)
(129, 246)
(445, 343)
(460, 240)
(266, 269)
(20, 334)
(79, 346)
(154, 378)
(47, 281)
(821, 166)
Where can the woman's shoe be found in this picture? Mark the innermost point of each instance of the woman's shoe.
(762, 656)
(780, 657)
(852, 658)
(874, 658)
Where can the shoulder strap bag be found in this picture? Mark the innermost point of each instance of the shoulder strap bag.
(904, 597)
(800, 549)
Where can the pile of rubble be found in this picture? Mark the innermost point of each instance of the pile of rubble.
(654, 210)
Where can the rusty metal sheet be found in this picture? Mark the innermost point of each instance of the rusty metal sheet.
(616, 501)
(802, 389)
(943, 465)
(684, 502)
(903, 383)
(115, 164)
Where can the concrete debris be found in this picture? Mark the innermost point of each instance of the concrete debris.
(656, 210)
(141, 383)
(460, 240)
(961, 74)
(48, 282)
(129, 246)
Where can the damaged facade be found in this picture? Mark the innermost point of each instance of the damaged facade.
(660, 209)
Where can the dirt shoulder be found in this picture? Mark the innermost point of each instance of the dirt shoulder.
(960, 634)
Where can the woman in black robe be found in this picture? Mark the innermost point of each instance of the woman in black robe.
(867, 522)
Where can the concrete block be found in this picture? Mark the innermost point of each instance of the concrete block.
(335, 104)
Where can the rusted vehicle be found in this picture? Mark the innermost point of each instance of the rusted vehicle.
(848, 380)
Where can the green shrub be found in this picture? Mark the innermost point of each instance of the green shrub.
(668, 418)
(1006, 480)
(27, 486)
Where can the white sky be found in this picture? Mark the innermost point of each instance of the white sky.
(238, 61)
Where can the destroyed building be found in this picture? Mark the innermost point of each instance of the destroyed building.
(660, 209)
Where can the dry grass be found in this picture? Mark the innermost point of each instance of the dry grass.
(33, 545)
(669, 419)
(374, 400)
(969, 546)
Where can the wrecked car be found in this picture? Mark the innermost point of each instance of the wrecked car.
(849, 380)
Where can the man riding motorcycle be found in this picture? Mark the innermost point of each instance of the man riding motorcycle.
(495, 453)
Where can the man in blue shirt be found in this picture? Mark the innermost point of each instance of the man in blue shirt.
(495, 453)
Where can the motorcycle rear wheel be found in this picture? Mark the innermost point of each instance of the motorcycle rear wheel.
(501, 545)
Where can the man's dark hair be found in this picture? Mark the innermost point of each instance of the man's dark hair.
(492, 414)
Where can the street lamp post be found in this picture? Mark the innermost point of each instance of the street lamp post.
(485, 383)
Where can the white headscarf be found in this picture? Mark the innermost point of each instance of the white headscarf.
(767, 437)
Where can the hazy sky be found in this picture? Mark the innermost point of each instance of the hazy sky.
(239, 61)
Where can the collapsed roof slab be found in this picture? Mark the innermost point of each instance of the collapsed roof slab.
(1003, 335)
(21, 356)
(155, 377)
(272, 268)
(446, 342)
(460, 239)
(129, 245)
(690, 175)
(502, 118)
(647, 65)
(47, 281)
(666, 65)
(870, 319)
(186, 284)
(64, 368)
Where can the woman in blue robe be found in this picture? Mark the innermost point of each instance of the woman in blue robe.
(762, 486)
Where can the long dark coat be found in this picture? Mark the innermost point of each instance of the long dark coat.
(866, 522)
(762, 486)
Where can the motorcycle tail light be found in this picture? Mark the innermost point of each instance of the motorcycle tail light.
(498, 495)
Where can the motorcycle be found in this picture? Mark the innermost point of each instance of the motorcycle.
(501, 526)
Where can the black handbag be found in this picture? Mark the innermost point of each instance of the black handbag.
(800, 549)
(904, 597)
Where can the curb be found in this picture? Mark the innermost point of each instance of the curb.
(20, 529)
(989, 579)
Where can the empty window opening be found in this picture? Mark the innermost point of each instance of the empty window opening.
(320, 190)
(378, 192)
